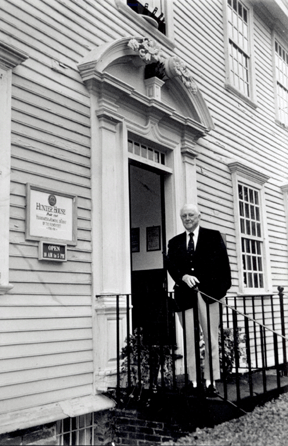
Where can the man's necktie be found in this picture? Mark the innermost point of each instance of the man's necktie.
(191, 244)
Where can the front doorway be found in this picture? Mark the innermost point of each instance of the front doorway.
(148, 248)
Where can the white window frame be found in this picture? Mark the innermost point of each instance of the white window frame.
(166, 39)
(246, 175)
(283, 82)
(229, 84)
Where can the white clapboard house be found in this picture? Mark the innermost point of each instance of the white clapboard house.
(113, 115)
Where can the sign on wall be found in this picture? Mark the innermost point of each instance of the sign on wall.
(51, 215)
(52, 251)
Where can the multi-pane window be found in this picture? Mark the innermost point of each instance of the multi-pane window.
(238, 36)
(281, 64)
(251, 236)
(146, 152)
(76, 431)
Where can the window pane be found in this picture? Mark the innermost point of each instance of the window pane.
(137, 148)
(241, 209)
(261, 282)
(256, 197)
(245, 15)
(257, 214)
(249, 263)
(130, 146)
(144, 151)
(240, 191)
(247, 246)
(246, 195)
(247, 213)
(248, 230)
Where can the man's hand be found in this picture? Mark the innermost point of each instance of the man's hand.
(191, 281)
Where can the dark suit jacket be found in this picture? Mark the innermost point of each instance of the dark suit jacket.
(210, 263)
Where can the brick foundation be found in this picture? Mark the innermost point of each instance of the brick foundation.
(44, 435)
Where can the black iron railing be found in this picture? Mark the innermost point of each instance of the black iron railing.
(252, 344)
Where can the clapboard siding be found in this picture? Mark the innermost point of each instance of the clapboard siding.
(36, 349)
(48, 313)
(50, 324)
(12, 365)
(27, 376)
(48, 396)
(25, 389)
(44, 336)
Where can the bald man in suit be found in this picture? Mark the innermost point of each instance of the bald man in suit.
(197, 259)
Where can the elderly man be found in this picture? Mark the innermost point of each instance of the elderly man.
(197, 259)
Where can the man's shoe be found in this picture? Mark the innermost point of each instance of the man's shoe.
(211, 391)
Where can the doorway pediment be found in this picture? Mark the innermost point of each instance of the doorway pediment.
(116, 72)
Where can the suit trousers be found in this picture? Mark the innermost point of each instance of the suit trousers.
(190, 339)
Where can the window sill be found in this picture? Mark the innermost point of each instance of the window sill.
(280, 124)
(237, 93)
(5, 288)
(254, 293)
(145, 25)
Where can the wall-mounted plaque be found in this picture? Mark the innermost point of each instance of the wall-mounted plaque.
(57, 252)
(51, 215)
(153, 238)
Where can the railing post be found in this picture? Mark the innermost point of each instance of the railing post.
(263, 359)
(185, 348)
(139, 348)
(197, 343)
(248, 351)
(118, 347)
(236, 340)
(264, 338)
(209, 343)
(224, 369)
(276, 356)
(281, 296)
(255, 332)
(128, 341)
(172, 339)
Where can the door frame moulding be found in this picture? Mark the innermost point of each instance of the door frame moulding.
(120, 109)
(10, 57)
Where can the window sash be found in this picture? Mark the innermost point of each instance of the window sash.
(238, 46)
(251, 231)
(281, 68)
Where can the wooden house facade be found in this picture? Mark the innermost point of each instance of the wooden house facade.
(113, 118)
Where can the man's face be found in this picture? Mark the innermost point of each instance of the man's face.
(190, 217)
